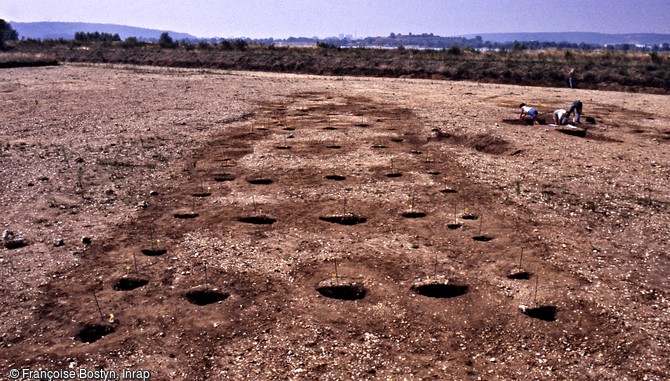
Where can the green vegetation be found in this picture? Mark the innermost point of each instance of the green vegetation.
(96, 36)
(7, 33)
(519, 63)
(166, 42)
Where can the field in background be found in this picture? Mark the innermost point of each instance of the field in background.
(647, 72)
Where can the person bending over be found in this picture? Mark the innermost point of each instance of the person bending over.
(577, 108)
(560, 118)
(529, 113)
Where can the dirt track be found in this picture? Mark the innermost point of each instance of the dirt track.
(114, 153)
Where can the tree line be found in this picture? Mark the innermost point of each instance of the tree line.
(455, 45)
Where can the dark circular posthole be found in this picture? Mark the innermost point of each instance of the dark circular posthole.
(90, 333)
(347, 291)
(154, 252)
(440, 290)
(257, 220)
(397, 140)
(15, 244)
(434, 173)
(546, 313)
(482, 238)
(519, 275)
(379, 146)
(394, 174)
(283, 147)
(186, 216)
(205, 296)
(448, 190)
(413, 214)
(362, 125)
(201, 194)
(224, 177)
(454, 226)
(129, 283)
(335, 177)
(260, 181)
(346, 219)
(333, 146)
(330, 128)
(469, 216)
(579, 132)
(288, 128)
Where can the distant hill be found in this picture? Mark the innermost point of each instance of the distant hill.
(649, 39)
(66, 30)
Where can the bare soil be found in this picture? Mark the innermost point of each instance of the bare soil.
(211, 276)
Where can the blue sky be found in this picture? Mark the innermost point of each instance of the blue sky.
(361, 18)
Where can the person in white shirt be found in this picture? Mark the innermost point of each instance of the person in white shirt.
(527, 111)
(560, 118)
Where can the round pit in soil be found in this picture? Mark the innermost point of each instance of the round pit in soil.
(448, 190)
(439, 288)
(333, 146)
(393, 175)
(129, 283)
(379, 146)
(202, 194)
(205, 296)
(154, 252)
(546, 313)
(257, 220)
(469, 217)
(186, 216)
(335, 177)
(15, 244)
(260, 181)
(397, 140)
(90, 333)
(283, 147)
(454, 226)
(433, 173)
(413, 214)
(482, 238)
(288, 128)
(519, 274)
(330, 128)
(344, 219)
(224, 177)
(341, 288)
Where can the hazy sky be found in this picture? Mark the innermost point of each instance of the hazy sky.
(308, 18)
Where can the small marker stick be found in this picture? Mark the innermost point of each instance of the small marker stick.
(98, 305)
(537, 280)
(135, 262)
(206, 279)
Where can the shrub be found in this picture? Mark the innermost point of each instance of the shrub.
(455, 50)
(240, 44)
(130, 43)
(166, 42)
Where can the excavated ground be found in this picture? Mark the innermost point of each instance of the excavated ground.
(268, 226)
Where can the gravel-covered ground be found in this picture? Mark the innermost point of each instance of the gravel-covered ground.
(228, 181)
